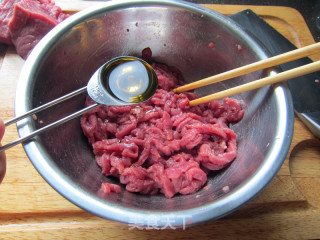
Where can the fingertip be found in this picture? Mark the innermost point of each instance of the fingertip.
(2, 128)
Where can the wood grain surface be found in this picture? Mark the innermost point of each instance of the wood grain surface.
(288, 208)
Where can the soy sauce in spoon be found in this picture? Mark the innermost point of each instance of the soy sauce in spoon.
(123, 81)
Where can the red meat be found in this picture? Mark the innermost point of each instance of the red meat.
(24, 22)
(107, 188)
(6, 14)
(163, 145)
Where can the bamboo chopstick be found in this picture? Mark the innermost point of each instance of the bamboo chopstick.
(296, 72)
(263, 64)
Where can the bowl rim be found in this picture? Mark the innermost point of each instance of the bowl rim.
(96, 205)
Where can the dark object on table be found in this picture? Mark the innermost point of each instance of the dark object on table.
(305, 90)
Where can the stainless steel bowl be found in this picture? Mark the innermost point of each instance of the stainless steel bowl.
(178, 34)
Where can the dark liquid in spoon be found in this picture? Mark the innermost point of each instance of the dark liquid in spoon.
(129, 80)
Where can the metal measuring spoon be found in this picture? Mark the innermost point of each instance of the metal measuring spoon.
(121, 81)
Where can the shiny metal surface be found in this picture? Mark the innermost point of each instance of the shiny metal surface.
(97, 88)
(178, 34)
(47, 127)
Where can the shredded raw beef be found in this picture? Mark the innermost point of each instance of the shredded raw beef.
(24, 22)
(108, 188)
(163, 144)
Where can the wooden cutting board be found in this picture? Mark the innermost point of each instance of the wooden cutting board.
(288, 208)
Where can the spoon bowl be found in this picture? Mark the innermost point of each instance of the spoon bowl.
(123, 80)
